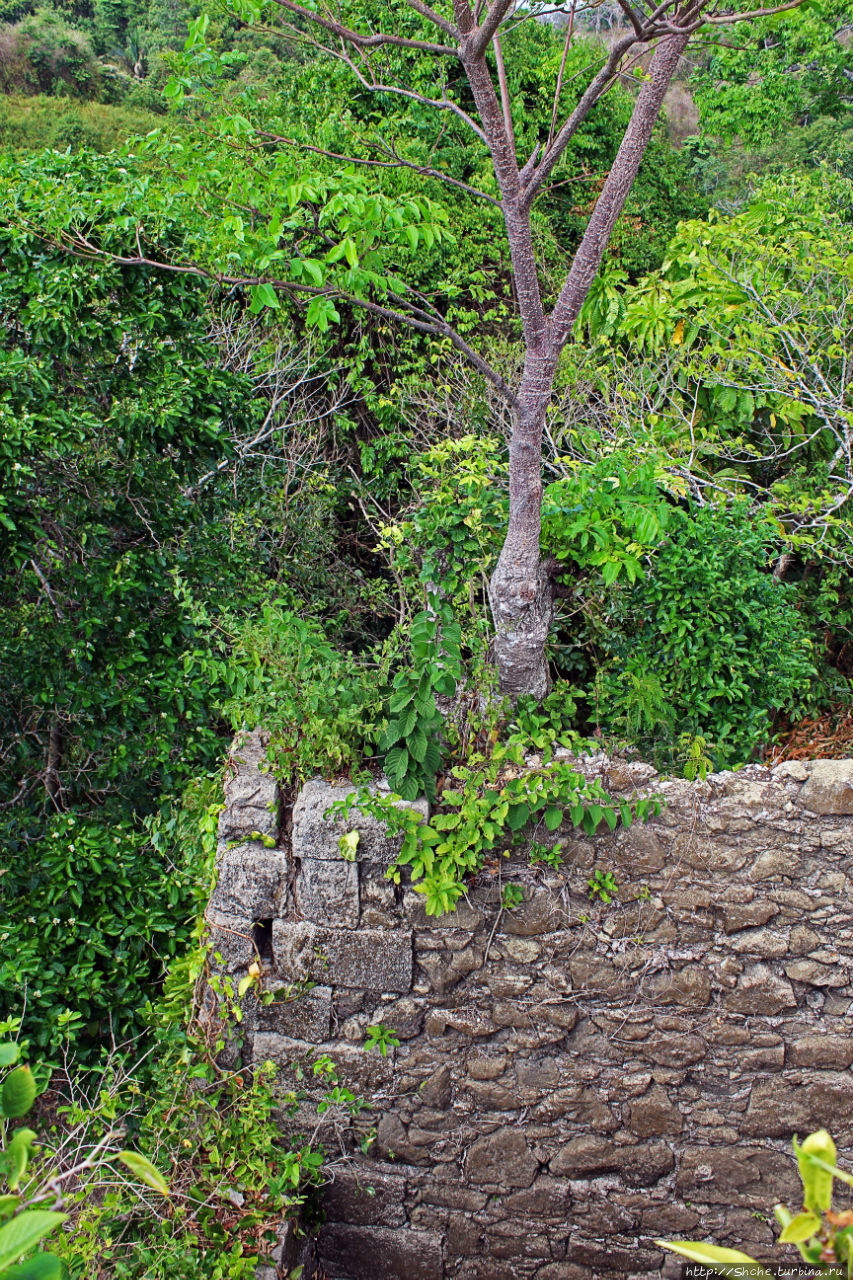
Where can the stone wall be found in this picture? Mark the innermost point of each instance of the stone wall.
(573, 1079)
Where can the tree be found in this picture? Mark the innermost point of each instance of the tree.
(463, 52)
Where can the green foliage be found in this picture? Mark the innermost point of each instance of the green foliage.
(824, 1239)
(490, 798)
(217, 1135)
(24, 1220)
(602, 885)
(412, 735)
(382, 1038)
(33, 123)
(785, 70)
(110, 409)
(320, 705)
(606, 517)
(708, 641)
(43, 53)
(455, 522)
(96, 910)
(512, 896)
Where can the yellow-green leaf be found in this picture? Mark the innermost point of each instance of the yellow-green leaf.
(800, 1228)
(724, 1261)
(145, 1171)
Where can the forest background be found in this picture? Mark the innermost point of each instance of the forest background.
(223, 505)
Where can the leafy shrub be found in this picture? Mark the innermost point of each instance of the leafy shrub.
(214, 1136)
(44, 54)
(411, 737)
(488, 800)
(706, 642)
(320, 705)
(95, 912)
(31, 1185)
(33, 123)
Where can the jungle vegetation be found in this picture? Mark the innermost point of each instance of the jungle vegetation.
(239, 486)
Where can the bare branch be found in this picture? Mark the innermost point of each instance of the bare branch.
(559, 86)
(596, 89)
(744, 15)
(504, 90)
(440, 104)
(396, 161)
(360, 41)
(426, 12)
(488, 28)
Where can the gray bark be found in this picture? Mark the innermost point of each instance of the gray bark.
(520, 590)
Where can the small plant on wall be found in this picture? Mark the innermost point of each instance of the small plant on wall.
(823, 1236)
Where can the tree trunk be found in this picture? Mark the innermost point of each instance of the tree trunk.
(520, 590)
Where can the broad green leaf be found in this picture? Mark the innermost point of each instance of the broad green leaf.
(24, 1232)
(10, 1052)
(552, 818)
(18, 1093)
(348, 844)
(518, 815)
(44, 1266)
(144, 1171)
(18, 1152)
(263, 295)
(800, 1228)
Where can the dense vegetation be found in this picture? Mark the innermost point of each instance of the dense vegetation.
(225, 504)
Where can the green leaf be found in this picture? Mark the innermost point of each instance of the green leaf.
(44, 1266)
(10, 1052)
(397, 763)
(18, 1094)
(263, 295)
(143, 1170)
(724, 1261)
(401, 698)
(348, 844)
(800, 1228)
(24, 1232)
(518, 815)
(18, 1152)
(417, 744)
(553, 817)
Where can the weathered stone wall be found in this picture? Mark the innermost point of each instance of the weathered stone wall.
(573, 1079)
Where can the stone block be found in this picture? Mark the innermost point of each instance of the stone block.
(674, 1050)
(820, 1050)
(364, 1196)
(328, 892)
(379, 1253)
(544, 912)
(689, 987)
(251, 881)
(761, 991)
(251, 791)
(231, 937)
(829, 789)
(378, 960)
(307, 1017)
(502, 1159)
(315, 837)
(778, 1109)
(768, 943)
(653, 1114)
(816, 974)
(747, 915)
(584, 1157)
